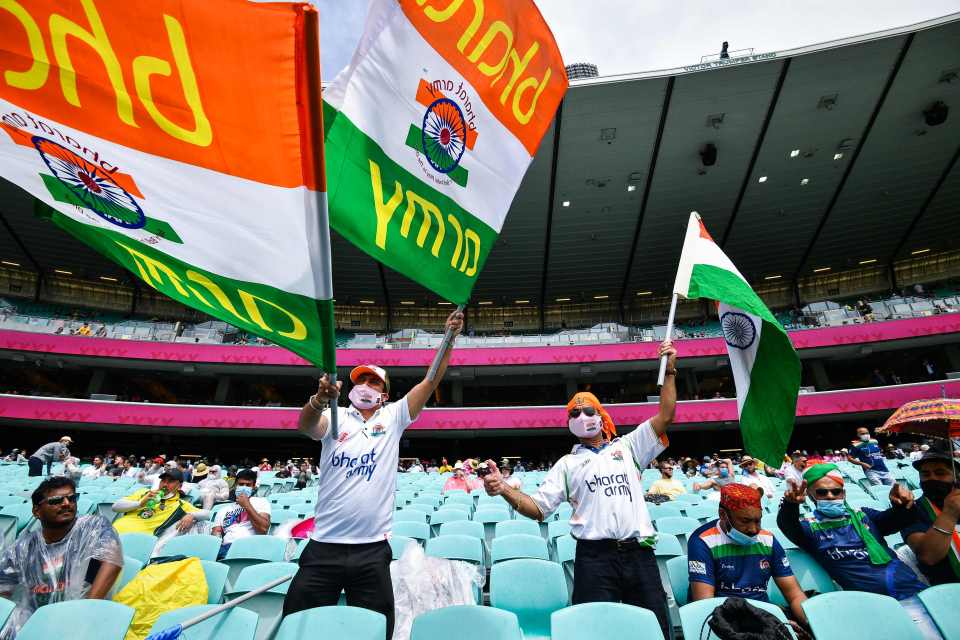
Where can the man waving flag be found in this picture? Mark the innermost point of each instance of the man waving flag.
(766, 368)
(431, 127)
(183, 140)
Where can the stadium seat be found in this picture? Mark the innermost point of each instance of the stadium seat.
(458, 547)
(410, 515)
(268, 605)
(702, 512)
(445, 514)
(680, 526)
(193, 545)
(679, 576)
(518, 545)
(692, 498)
(557, 529)
(250, 551)
(335, 622)
(809, 573)
(511, 527)
(417, 530)
(86, 620)
(423, 508)
(6, 608)
(131, 566)
(21, 513)
(872, 615)
(665, 510)
(532, 589)
(237, 623)
(301, 545)
(566, 555)
(694, 615)
(563, 512)
(398, 544)
(604, 621)
(5, 500)
(462, 527)
(465, 622)
(138, 545)
(941, 603)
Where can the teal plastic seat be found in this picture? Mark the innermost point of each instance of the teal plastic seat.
(532, 589)
(6, 608)
(410, 515)
(423, 508)
(557, 528)
(216, 574)
(566, 557)
(513, 527)
(237, 623)
(334, 622)
(563, 512)
(398, 544)
(417, 530)
(679, 526)
(604, 621)
(138, 545)
(5, 500)
(701, 512)
(85, 619)
(193, 545)
(462, 528)
(459, 497)
(131, 566)
(693, 616)
(457, 547)
(465, 622)
(809, 573)
(269, 605)
(666, 510)
(692, 498)
(832, 616)
(253, 550)
(444, 515)
(518, 545)
(300, 547)
(679, 577)
(941, 603)
(23, 513)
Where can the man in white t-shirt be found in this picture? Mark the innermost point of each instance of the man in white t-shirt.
(247, 516)
(600, 479)
(356, 481)
(753, 478)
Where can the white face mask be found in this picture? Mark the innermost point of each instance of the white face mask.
(364, 397)
(584, 426)
(865, 437)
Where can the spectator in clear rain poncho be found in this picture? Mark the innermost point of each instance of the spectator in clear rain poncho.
(213, 488)
(69, 558)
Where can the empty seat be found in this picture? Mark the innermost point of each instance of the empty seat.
(832, 616)
(334, 622)
(809, 573)
(85, 619)
(518, 545)
(417, 530)
(465, 622)
(131, 566)
(679, 577)
(444, 515)
(216, 575)
(237, 623)
(267, 605)
(410, 515)
(202, 546)
(511, 527)
(693, 616)
(253, 550)
(458, 547)
(681, 527)
(463, 528)
(702, 512)
(398, 544)
(941, 603)
(604, 621)
(532, 589)
(138, 545)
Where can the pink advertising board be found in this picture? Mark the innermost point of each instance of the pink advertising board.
(479, 356)
(212, 417)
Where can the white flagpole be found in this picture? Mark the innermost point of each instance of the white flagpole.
(669, 336)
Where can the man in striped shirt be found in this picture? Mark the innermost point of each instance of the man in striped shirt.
(734, 556)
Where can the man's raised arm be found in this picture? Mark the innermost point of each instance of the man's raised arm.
(418, 397)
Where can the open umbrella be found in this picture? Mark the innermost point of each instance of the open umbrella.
(938, 417)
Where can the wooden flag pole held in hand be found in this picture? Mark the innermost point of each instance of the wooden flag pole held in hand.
(442, 351)
(669, 336)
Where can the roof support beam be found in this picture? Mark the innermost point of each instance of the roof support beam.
(923, 208)
(667, 95)
(386, 292)
(551, 201)
(856, 154)
(21, 246)
(774, 100)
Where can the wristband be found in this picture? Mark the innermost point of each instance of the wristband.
(943, 531)
(316, 405)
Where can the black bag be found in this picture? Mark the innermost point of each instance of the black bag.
(737, 619)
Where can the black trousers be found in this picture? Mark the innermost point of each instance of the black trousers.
(361, 570)
(604, 573)
(34, 466)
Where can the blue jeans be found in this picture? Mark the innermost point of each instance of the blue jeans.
(879, 477)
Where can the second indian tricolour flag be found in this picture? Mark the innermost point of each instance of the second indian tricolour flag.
(431, 128)
(766, 368)
(183, 140)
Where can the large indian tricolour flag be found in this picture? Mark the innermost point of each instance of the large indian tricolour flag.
(183, 140)
(431, 128)
(766, 368)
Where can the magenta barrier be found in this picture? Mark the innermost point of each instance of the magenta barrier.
(210, 417)
(478, 356)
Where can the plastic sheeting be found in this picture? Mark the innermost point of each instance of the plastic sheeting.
(39, 573)
(200, 526)
(423, 583)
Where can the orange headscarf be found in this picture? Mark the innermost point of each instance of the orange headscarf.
(585, 397)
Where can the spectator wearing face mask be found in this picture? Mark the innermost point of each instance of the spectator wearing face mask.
(213, 488)
(933, 537)
(723, 477)
(667, 485)
(734, 556)
(248, 515)
(866, 453)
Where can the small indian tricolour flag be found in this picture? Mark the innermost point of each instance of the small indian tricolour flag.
(766, 368)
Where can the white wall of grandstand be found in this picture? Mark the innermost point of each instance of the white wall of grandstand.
(828, 300)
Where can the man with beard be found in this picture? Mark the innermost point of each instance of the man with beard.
(246, 516)
(933, 537)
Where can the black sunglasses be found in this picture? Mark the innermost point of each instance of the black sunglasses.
(587, 411)
(58, 500)
(823, 493)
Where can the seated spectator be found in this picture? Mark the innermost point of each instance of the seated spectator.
(213, 488)
(666, 485)
(128, 470)
(849, 543)
(460, 480)
(865, 310)
(154, 511)
(415, 467)
(72, 470)
(247, 515)
(97, 469)
(519, 468)
(792, 469)
(444, 466)
(69, 558)
(724, 476)
(933, 536)
(753, 478)
(734, 556)
(84, 330)
(265, 465)
(304, 475)
(916, 452)
(508, 478)
(432, 466)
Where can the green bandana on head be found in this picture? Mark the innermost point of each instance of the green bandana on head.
(877, 552)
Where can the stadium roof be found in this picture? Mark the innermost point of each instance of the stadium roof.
(823, 159)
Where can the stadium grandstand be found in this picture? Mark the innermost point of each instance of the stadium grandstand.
(829, 174)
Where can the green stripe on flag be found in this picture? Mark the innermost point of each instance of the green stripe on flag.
(409, 226)
(414, 138)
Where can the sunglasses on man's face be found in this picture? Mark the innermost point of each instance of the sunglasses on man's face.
(58, 500)
(823, 493)
(587, 411)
